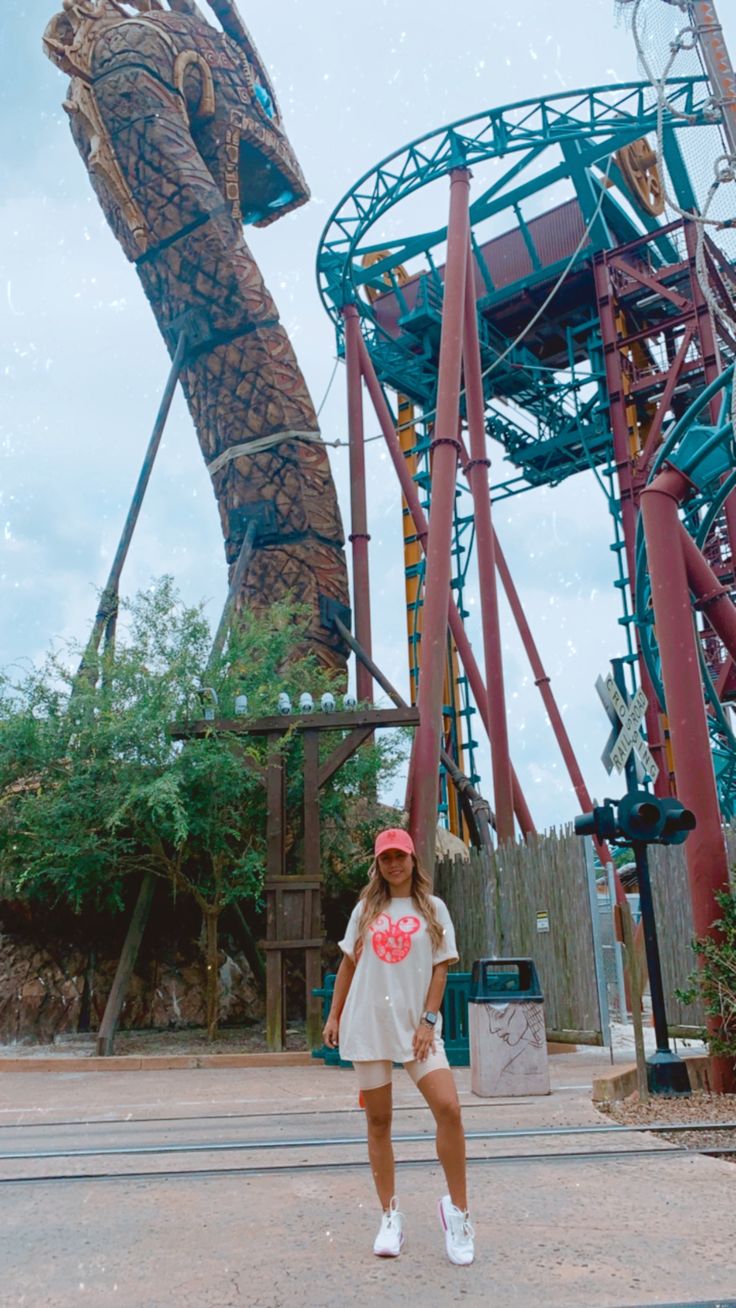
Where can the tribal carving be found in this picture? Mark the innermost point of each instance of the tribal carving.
(180, 130)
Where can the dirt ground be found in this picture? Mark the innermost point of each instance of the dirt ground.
(229, 1040)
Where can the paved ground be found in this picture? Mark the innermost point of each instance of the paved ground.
(551, 1233)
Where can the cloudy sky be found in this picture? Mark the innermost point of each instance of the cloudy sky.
(82, 365)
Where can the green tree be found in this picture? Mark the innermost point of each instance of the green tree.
(96, 793)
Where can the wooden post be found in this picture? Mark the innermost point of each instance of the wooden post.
(294, 903)
(275, 865)
(313, 898)
(275, 1015)
(275, 853)
(311, 804)
(128, 956)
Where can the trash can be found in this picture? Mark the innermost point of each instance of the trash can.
(508, 1043)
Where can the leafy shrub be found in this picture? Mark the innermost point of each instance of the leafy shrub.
(715, 980)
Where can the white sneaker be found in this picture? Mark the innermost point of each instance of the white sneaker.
(390, 1238)
(459, 1232)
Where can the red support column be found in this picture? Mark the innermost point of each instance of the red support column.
(443, 452)
(476, 471)
(696, 787)
(359, 536)
(419, 519)
(711, 596)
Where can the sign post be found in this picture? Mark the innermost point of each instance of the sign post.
(642, 819)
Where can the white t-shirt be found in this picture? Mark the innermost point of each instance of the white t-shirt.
(388, 992)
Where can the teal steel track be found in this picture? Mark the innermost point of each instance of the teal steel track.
(601, 119)
(546, 398)
(545, 384)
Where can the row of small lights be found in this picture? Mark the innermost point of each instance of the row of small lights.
(327, 703)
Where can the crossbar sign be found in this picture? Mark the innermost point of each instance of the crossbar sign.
(626, 735)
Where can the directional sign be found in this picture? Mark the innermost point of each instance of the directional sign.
(626, 720)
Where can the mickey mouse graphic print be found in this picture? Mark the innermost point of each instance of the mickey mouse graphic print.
(389, 989)
(392, 940)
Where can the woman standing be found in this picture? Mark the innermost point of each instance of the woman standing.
(397, 948)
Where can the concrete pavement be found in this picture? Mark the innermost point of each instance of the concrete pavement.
(295, 1225)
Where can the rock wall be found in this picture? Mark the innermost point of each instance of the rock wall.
(53, 983)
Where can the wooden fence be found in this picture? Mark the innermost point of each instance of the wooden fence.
(671, 895)
(499, 901)
(495, 901)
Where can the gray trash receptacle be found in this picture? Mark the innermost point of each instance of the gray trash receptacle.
(508, 1043)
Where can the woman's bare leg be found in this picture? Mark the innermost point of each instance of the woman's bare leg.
(440, 1092)
(378, 1113)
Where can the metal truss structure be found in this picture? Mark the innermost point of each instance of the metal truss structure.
(552, 332)
(559, 312)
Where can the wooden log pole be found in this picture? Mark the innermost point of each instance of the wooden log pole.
(128, 956)
(312, 897)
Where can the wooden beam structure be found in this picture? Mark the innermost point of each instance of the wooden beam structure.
(294, 903)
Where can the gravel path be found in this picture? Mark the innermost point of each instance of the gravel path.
(697, 1107)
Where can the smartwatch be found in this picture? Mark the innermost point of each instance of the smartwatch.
(429, 1018)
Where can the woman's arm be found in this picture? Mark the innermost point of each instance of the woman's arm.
(424, 1034)
(343, 981)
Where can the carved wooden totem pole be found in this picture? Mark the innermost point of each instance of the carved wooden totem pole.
(178, 125)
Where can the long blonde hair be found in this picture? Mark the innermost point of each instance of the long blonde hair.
(376, 896)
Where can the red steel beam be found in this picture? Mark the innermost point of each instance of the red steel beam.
(673, 376)
(359, 536)
(709, 350)
(411, 495)
(444, 450)
(476, 471)
(705, 850)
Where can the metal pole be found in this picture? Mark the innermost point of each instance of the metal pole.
(359, 536)
(718, 64)
(444, 451)
(109, 597)
(613, 883)
(666, 1072)
(654, 969)
(476, 471)
(419, 519)
(705, 851)
(595, 926)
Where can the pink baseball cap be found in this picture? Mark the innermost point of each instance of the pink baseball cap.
(393, 838)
